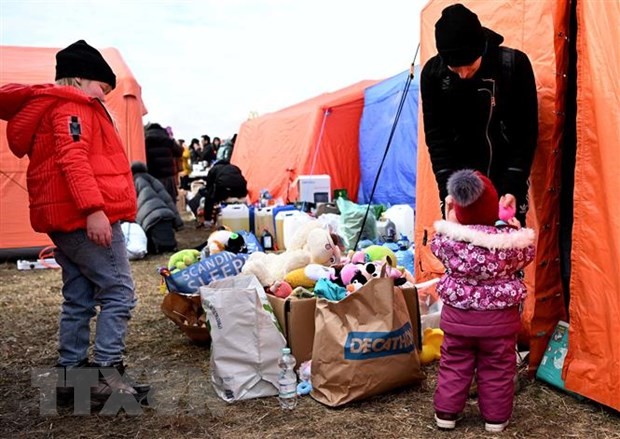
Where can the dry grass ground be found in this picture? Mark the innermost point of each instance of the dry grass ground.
(29, 308)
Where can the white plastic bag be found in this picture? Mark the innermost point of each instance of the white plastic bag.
(430, 304)
(246, 341)
(135, 240)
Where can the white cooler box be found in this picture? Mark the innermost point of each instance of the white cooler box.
(314, 188)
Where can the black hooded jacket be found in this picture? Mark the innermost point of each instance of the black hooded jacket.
(154, 202)
(162, 152)
(488, 123)
(225, 180)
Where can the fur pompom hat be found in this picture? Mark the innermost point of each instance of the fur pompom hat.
(475, 198)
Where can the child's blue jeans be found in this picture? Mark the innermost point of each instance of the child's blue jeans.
(93, 276)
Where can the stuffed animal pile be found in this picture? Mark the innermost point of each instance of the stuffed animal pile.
(306, 261)
(313, 255)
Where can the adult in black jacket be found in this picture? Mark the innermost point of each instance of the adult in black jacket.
(224, 181)
(208, 153)
(162, 155)
(155, 206)
(480, 107)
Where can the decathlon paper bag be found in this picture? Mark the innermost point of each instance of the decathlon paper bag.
(246, 341)
(364, 345)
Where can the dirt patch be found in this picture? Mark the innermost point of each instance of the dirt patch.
(188, 407)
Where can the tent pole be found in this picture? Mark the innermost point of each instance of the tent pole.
(389, 142)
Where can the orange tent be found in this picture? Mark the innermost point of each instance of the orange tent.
(540, 29)
(317, 136)
(33, 65)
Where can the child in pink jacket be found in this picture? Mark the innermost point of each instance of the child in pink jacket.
(481, 290)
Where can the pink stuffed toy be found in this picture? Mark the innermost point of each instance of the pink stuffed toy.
(348, 272)
(373, 269)
(506, 213)
(358, 257)
(352, 277)
(281, 289)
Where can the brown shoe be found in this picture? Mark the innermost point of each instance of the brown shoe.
(112, 379)
(64, 394)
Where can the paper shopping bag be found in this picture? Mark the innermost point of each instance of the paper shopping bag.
(363, 345)
(246, 339)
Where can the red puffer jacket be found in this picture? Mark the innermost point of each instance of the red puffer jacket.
(77, 164)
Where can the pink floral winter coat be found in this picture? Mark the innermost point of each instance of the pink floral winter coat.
(482, 265)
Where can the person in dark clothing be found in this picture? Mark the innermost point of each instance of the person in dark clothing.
(224, 181)
(480, 107)
(162, 155)
(217, 143)
(196, 152)
(208, 153)
(157, 212)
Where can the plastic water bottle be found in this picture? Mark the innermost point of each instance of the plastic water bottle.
(287, 380)
(264, 198)
(404, 255)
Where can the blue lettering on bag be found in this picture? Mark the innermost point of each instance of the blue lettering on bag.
(217, 266)
(366, 345)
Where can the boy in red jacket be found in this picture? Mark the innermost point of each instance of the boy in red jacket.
(80, 187)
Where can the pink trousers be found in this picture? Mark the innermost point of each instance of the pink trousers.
(492, 359)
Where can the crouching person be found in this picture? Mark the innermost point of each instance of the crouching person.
(80, 187)
(225, 182)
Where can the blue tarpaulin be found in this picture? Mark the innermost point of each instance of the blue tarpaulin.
(397, 181)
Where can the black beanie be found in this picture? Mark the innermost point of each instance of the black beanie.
(459, 36)
(80, 60)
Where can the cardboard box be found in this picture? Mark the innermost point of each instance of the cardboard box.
(411, 298)
(296, 317)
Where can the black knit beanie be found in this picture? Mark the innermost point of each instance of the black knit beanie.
(80, 60)
(459, 36)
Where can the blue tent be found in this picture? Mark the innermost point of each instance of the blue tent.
(397, 181)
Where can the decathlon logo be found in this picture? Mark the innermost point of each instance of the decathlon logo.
(366, 345)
